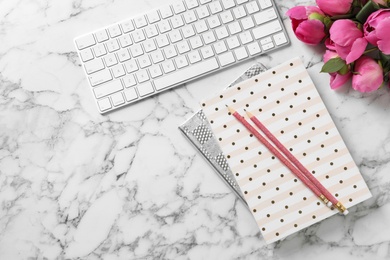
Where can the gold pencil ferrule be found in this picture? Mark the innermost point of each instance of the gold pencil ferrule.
(340, 207)
(324, 199)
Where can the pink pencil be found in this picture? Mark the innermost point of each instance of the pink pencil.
(337, 204)
(285, 161)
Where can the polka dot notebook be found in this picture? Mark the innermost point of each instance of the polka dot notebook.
(286, 101)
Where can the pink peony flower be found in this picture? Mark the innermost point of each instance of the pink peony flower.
(307, 24)
(348, 40)
(377, 30)
(336, 79)
(334, 7)
(369, 75)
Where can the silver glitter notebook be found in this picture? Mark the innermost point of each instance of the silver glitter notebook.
(199, 133)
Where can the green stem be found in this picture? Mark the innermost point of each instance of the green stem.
(343, 16)
(370, 50)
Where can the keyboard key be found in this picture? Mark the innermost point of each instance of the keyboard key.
(129, 81)
(246, 37)
(93, 66)
(86, 55)
(157, 56)
(177, 22)
(196, 42)
(247, 23)
(254, 48)
(241, 1)
(162, 41)
(252, 7)
(183, 47)
(153, 16)
(155, 71)
(215, 7)
(204, 1)
(117, 99)
(170, 51)
(85, 41)
(234, 28)
(144, 61)
(266, 29)
(194, 57)
(232, 42)
(207, 52)
(202, 12)
(125, 40)
(142, 76)
(151, 31)
(168, 66)
(220, 47)
(175, 36)
(241, 53)
(280, 38)
(186, 73)
(112, 45)
(221, 33)
(138, 36)
(99, 50)
(131, 66)
(209, 37)
(108, 88)
(123, 55)
(104, 104)
(163, 26)
(130, 94)
(265, 4)
(136, 50)
(100, 77)
(114, 31)
(267, 46)
(127, 26)
(166, 12)
(118, 71)
(228, 4)
(191, 4)
(149, 46)
(178, 7)
(201, 26)
(181, 62)
(189, 16)
(101, 35)
(188, 31)
(140, 21)
(226, 17)
(110, 60)
(213, 22)
(145, 89)
(226, 59)
(239, 12)
(265, 16)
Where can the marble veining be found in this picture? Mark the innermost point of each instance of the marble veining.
(78, 185)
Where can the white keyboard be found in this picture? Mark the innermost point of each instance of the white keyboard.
(134, 59)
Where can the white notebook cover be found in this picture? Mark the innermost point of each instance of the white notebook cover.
(286, 101)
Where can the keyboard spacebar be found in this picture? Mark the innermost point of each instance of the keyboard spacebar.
(184, 74)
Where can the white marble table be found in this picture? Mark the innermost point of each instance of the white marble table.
(75, 184)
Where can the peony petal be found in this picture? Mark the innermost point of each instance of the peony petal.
(344, 32)
(337, 80)
(368, 76)
(383, 33)
(310, 32)
(329, 55)
(297, 12)
(334, 7)
(357, 50)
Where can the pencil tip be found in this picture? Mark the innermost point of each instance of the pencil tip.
(231, 110)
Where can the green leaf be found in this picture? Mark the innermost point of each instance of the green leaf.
(367, 9)
(385, 60)
(333, 65)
